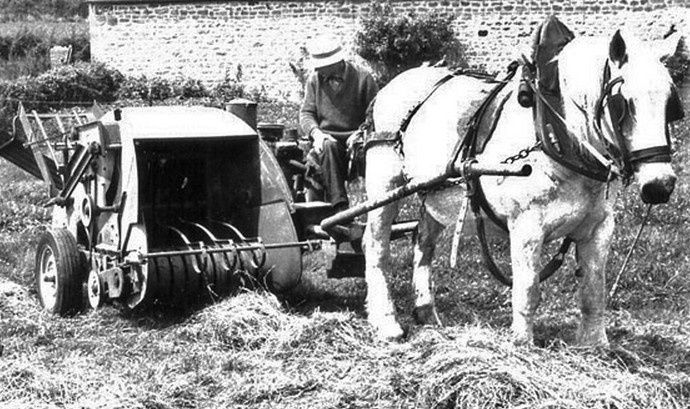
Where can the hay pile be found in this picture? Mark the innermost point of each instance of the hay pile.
(249, 352)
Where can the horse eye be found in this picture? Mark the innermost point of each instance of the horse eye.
(631, 107)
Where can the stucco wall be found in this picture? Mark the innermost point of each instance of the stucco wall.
(207, 39)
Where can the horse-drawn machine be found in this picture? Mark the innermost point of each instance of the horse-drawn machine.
(172, 203)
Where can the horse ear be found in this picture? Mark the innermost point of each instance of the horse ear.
(618, 52)
(667, 47)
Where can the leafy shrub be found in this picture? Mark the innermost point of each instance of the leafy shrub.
(159, 89)
(228, 89)
(395, 42)
(190, 88)
(233, 87)
(134, 88)
(62, 87)
(79, 82)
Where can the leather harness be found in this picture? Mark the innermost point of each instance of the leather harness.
(467, 148)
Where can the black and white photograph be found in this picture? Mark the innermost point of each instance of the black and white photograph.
(424, 204)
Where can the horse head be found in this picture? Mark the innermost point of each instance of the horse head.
(637, 102)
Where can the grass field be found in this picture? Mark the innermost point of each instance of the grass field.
(316, 349)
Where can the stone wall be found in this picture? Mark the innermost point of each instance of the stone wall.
(208, 39)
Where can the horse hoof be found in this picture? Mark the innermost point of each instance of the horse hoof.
(389, 331)
(426, 315)
(520, 337)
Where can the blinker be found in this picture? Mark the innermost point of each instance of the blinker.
(618, 108)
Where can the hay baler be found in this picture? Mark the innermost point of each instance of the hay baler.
(159, 203)
(177, 203)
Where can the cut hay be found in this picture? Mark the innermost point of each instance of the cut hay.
(478, 368)
(249, 351)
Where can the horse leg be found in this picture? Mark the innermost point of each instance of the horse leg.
(424, 246)
(591, 259)
(383, 173)
(525, 250)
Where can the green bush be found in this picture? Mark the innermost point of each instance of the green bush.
(233, 87)
(190, 88)
(134, 88)
(79, 82)
(63, 87)
(159, 89)
(228, 89)
(394, 42)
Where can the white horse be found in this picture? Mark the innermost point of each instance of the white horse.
(553, 202)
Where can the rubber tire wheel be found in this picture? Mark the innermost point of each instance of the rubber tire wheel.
(70, 271)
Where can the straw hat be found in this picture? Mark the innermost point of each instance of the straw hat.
(325, 50)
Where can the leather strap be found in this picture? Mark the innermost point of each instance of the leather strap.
(467, 146)
(649, 155)
(547, 271)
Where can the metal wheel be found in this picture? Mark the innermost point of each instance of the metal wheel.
(94, 290)
(59, 272)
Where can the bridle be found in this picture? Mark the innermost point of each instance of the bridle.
(626, 160)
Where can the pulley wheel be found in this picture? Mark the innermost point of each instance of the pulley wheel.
(95, 290)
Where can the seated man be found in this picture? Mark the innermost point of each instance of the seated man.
(337, 95)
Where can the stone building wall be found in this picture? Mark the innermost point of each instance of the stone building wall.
(208, 39)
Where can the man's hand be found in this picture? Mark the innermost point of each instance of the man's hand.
(319, 138)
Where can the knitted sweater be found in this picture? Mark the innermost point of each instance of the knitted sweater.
(337, 109)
